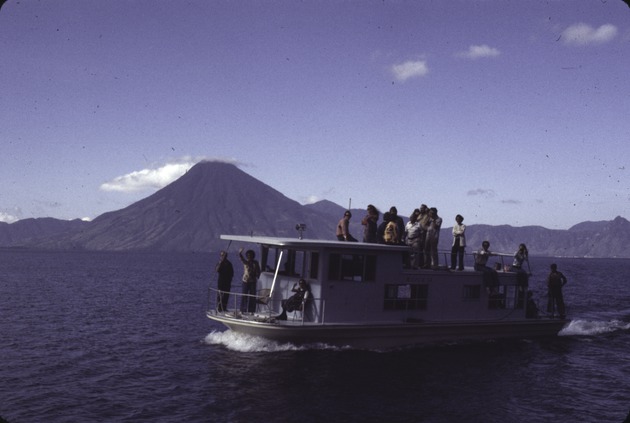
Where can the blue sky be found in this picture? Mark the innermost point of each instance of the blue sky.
(507, 112)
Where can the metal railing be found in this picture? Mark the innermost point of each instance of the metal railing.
(265, 305)
(470, 258)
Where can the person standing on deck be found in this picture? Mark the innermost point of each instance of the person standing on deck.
(431, 258)
(459, 243)
(400, 224)
(251, 273)
(423, 219)
(225, 272)
(555, 281)
(412, 239)
(370, 221)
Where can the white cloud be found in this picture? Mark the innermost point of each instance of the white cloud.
(410, 69)
(478, 52)
(152, 178)
(583, 34)
(311, 199)
(8, 218)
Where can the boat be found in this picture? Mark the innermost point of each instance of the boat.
(365, 296)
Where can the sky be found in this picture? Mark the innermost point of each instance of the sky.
(507, 112)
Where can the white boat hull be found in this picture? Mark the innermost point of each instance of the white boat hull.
(390, 335)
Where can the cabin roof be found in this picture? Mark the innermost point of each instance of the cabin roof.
(313, 243)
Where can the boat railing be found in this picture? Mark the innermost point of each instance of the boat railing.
(265, 305)
(234, 302)
(502, 265)
(213, 300)
(499, 266)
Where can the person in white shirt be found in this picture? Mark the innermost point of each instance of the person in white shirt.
(459, 243)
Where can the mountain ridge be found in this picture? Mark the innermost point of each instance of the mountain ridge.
(215, 198)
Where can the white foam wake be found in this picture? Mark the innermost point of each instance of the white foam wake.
(248, 343)
(592, 327)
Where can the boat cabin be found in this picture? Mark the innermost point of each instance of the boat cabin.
(370, 283)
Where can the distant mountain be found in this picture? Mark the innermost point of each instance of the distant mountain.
(590, 226)
(588, 239)
(25, 229)
(212, 198)
(215, 198)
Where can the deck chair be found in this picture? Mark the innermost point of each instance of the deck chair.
(299, 313)
(263, 300)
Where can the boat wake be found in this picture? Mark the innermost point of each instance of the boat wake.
(248, 343)
(581, 327)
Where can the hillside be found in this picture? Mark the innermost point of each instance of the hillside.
(189, 215)
(216, 198)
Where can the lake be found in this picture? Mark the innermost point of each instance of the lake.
(123, 337)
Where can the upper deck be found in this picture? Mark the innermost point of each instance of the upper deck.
(311, 244)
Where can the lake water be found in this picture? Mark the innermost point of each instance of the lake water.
(120, 337)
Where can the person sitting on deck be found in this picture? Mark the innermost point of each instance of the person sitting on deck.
(295, 301)
(490, 276)
(343, 228)
(531, 312)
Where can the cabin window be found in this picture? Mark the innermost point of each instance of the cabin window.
(472, 292)
(352, 267)
(406, 297)
(294, 263)
(264, 258)
(314, 267)
(507, 297)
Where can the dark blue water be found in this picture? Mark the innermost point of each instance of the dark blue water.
(108, 337)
